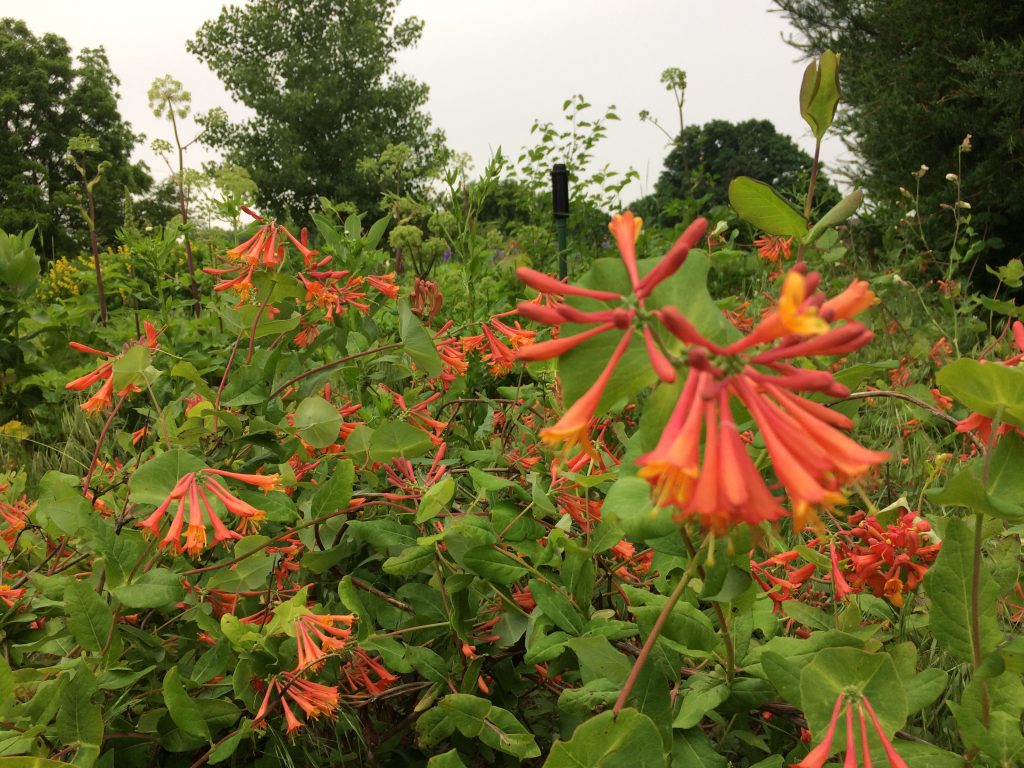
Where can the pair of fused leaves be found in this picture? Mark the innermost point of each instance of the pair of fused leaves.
(993, 484)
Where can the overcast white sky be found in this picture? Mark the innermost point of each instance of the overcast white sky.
(493, 66)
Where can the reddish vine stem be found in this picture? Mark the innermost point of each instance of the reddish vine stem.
(652, 638)
(916, 401)
(255, 322)
(100, 441)
(332, 364)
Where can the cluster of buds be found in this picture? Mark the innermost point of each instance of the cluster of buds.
(890, 561)
(103, 397)
(191, 493)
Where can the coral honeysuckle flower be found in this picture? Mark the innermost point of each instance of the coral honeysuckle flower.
(263, 482)
(365, 675)
(103, 397)
(818, 755)
(191, 494)
(9, 595)
(891, 561)
(573, 429)
(847, 701)
(574, 426)
(385, 284)
(332, 638)
(773, 248)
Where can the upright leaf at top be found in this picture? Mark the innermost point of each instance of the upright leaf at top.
(819, 93)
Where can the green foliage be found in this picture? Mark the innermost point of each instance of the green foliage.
(916, 80)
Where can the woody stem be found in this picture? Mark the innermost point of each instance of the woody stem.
(652, 638)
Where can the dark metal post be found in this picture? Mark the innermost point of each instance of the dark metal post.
(560, 205)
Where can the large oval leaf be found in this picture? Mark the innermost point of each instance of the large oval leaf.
(757, 203)
(318, 422)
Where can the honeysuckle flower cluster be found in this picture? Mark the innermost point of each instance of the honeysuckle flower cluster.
(332, 292)
(720, 485)
(192, 492)
(103, 397)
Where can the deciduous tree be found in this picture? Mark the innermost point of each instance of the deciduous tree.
(319, 76)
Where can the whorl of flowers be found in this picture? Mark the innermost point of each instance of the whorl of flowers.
(700, 465)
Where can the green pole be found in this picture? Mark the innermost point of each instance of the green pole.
(560, 229)
(560, 208)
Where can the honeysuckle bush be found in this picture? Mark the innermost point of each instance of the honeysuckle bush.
(619, 520)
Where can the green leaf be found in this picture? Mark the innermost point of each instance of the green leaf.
(158, 588)
(557, 607)
(336, 493)
(80, 719)
(760, 205)
(155, 479)
(701, 696)
(395, 439)
(628, 504)
(693, 749)
(986, 388)
(1000, 738)
(417, 342)
(61, 503)
(837, 214)
(6, 686)
(686, 629)
(833, 671)
(435, 499)
(427, 663)
(506, 734)
(449, 759)
(409, 561)
(30, 762)
(130, 368)
(492, 565)
(89, 617)
(318, 422)
(924, 688)
(1004, 496)
(820, 93)
(211, 664)
(948, 583)
(465, 712)
(183, 710)
(599, 659)
(630, 740)
(485, 482)
(376, 231)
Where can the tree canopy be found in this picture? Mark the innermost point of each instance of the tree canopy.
(707, 157)
(917, 77)
(319, 76)
(47, 98)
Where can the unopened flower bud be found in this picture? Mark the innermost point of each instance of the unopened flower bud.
(952, 177)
